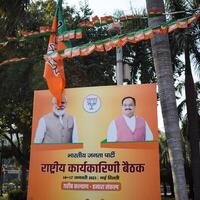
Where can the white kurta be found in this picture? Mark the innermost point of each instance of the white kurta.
(130, 121)
(41, 129)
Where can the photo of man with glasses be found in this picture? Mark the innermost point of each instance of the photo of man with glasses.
(128, 126)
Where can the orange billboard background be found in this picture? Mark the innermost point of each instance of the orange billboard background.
(92, 130)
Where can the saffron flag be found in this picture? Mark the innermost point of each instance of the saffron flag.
(54, 67)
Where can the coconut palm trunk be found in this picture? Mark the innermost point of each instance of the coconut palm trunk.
(163, 67)
(193, 123)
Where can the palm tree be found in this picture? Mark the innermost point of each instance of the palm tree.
(165, 168)
(187, 44)
(163, 67)
(137, 56)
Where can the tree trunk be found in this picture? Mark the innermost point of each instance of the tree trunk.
(163, 67)
(24, 167)
(1, 169)
(172, 188)
(165, 189)
(23, 182)
(193, 123)
(191, 192)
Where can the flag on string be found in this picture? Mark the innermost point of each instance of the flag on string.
(54, 66)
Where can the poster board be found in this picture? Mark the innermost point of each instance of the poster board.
(94, 169)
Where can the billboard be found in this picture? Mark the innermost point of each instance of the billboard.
(97, 163)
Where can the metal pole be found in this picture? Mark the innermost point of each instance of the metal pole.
(119, 67)
(116, 28)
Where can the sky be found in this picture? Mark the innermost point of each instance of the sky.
(107, 7)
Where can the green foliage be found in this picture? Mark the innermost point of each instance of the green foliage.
(179, 38)
(4, 198)
(165, 167)
(139, 55)
(16, 105)
(19, 80)
(16, 195)
(8, 187)
(186, 43)
(9, 17)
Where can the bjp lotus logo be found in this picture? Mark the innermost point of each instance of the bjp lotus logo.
(91, 103)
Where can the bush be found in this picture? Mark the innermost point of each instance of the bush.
(7, 187)
(17, 195)
(4, 198)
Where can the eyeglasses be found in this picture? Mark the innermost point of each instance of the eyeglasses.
(128, 105)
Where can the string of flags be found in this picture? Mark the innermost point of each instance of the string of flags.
(59, 46)
(67, 35)
(16, 59)
(121, 40)
(94, 22)
(44, 31)
(59, 50)
(101, 21)
(107, 44)
(71, 34)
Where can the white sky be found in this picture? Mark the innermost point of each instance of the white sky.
(107, 7)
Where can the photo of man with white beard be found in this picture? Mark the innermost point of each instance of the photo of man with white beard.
(57, 127)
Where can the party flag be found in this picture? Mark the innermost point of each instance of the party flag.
(54, 67)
